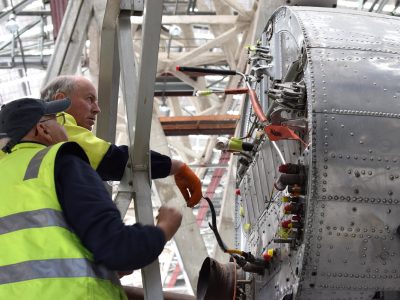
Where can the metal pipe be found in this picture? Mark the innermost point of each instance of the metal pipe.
(256, 105)
(254, 100)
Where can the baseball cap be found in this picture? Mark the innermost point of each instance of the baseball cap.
(19, 116)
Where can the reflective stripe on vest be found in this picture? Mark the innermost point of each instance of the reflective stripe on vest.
(54, 268)
(32, 219)
(53, 254)
(33, 168)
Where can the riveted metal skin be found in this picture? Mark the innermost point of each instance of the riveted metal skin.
(349, 62)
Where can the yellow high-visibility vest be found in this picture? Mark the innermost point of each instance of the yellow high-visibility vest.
(40, 256)
(94, 147)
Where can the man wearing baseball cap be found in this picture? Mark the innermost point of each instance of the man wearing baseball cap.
(17, 119)
(60, 233)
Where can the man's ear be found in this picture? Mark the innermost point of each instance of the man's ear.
(59, 95)
(43, 132)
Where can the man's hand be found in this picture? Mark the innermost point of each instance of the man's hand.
(189, 185)
(168, 220)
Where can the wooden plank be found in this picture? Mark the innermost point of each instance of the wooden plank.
(208, 125)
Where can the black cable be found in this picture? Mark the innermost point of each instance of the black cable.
(206, 71)
(247, 256)
(213, 226)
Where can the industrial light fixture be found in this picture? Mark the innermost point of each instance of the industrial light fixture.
(163, 107)
(12, 25)
(175, 31)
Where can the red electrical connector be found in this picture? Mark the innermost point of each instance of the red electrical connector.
(268, 254)
(292, 208)
(287, 224)
(287, 209)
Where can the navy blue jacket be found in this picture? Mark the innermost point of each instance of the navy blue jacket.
(91, 213)
(112, 166)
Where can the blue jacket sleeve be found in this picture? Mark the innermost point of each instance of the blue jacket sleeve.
(112, 166)
(93, 216)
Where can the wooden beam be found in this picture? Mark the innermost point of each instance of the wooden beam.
(208, 125)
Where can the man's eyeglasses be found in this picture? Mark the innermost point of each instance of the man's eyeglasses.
(60, 118)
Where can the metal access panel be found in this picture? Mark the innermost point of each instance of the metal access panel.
(349, 63)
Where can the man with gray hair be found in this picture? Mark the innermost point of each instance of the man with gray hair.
(107, 159)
